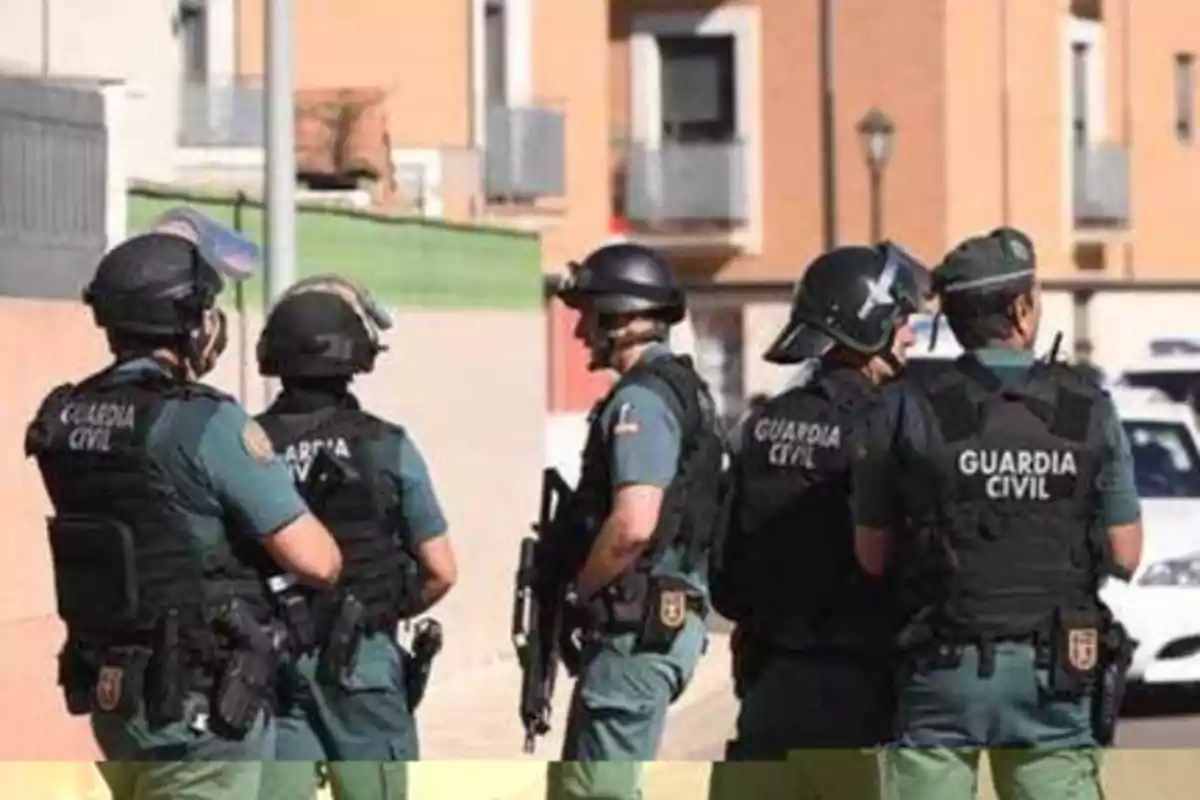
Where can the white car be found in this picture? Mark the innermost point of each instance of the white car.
(1160, 606)
(1172, 365)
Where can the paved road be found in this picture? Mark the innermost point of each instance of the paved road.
(1161, 719)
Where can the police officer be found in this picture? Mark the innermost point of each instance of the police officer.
(1003, 487)
(169, 505)
(345, 698)
(644, 509)
(813, 634)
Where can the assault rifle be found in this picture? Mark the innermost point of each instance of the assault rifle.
(538, 609)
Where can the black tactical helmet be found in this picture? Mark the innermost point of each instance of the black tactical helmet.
(155, 284)
(850, 296)
(322, 327)
(625, 279)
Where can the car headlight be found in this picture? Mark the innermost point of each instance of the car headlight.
(1173, 572)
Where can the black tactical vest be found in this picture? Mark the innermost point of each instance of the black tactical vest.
(1005, 522)
(359, 505)
(790, 573)
(690, 504)
(124, 562)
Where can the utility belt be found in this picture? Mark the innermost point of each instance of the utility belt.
(1079, 647)
(165, 677)
(653, 607)
(332, 622)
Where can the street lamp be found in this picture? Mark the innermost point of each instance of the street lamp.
(875, 131)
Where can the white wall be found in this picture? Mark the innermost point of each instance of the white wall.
(129, 40)
(1122, 323)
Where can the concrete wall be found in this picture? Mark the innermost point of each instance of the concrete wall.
(469, 385)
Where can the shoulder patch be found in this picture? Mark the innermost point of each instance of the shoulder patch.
(256, 442)
(625, 423)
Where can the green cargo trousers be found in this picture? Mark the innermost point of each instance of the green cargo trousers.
(1040, 746)
(361, 732)
(618, 714)
(808, 729)
(180, 763)
(843, 774)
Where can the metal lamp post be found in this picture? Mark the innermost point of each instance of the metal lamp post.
(875, 131)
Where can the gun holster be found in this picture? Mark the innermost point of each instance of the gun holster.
(426, 644)
(244, 689)
(1115, 657)
(295, 609)
(340, 651)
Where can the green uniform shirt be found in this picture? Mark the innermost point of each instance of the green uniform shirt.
(645, 439)
(877, 473)
(221, 467)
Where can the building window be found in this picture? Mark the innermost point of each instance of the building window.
(699, 100)
(1079, 94)
(193, 39)
(1185, 93)
(495, 52)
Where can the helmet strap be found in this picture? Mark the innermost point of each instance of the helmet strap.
(888, 354)
(205, 344)
(612, 339)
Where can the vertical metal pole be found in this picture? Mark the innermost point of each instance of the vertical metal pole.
(876, 204)
(45, 38)
(280, 159)
(825, 34)
(239, 297)
(1127, 127)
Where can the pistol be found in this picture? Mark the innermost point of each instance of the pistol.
(341, 649)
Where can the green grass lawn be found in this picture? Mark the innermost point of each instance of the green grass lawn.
(405, 263)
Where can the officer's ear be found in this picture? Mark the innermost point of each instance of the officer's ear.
(1023, 313)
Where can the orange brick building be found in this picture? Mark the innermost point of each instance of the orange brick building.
(696, 125)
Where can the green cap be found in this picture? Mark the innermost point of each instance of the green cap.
(984, 262)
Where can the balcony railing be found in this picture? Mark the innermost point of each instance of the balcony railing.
(678, 182)
(1101, 186)
(225, 115)
(525, 155)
